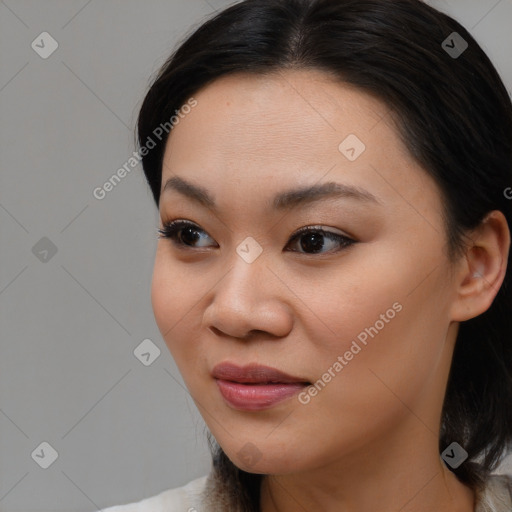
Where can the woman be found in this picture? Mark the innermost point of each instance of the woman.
(332, 274)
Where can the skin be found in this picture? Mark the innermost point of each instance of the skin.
(369, 440)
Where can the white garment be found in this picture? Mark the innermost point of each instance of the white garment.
(180, 499)
(497, 497)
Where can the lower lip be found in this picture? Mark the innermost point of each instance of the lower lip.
(255, 397)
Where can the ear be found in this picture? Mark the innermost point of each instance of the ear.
(482, 269)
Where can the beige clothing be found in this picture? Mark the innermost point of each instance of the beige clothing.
(497, 497)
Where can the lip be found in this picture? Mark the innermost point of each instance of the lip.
(255, 387)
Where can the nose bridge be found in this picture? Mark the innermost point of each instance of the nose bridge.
(247, 278)
(245, 300)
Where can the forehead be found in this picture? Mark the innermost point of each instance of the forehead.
(251, 134)
(285, 113)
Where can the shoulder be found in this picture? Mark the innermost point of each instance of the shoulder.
(496, 496)
(172, 500)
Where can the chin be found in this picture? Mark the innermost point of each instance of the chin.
(265, 460)
(262, 467)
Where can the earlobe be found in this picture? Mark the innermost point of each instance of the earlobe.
(483, 267)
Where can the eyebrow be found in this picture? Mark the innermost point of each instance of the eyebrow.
(286, 200)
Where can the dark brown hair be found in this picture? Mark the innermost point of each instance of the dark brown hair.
(454, 115)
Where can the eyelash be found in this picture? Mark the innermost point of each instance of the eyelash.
(170, 231)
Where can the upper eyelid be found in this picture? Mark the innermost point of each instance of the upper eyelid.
(321, 227)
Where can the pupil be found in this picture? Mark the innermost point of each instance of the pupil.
(188, 231)
(315, 241)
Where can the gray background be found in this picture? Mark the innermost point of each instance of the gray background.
(71, 322)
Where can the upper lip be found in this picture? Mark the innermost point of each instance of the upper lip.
(252, 373)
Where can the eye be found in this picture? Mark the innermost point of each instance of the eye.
(185, 235)
(312, 238)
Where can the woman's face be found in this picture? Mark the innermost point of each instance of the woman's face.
(365, 318)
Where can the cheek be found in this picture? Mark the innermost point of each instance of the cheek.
(163, 295)
(390, 345)
(359, 299)
(174, 297)
(384, 318)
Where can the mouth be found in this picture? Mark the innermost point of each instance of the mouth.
(255, 387)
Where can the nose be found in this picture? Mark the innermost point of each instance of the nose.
(249, 299)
